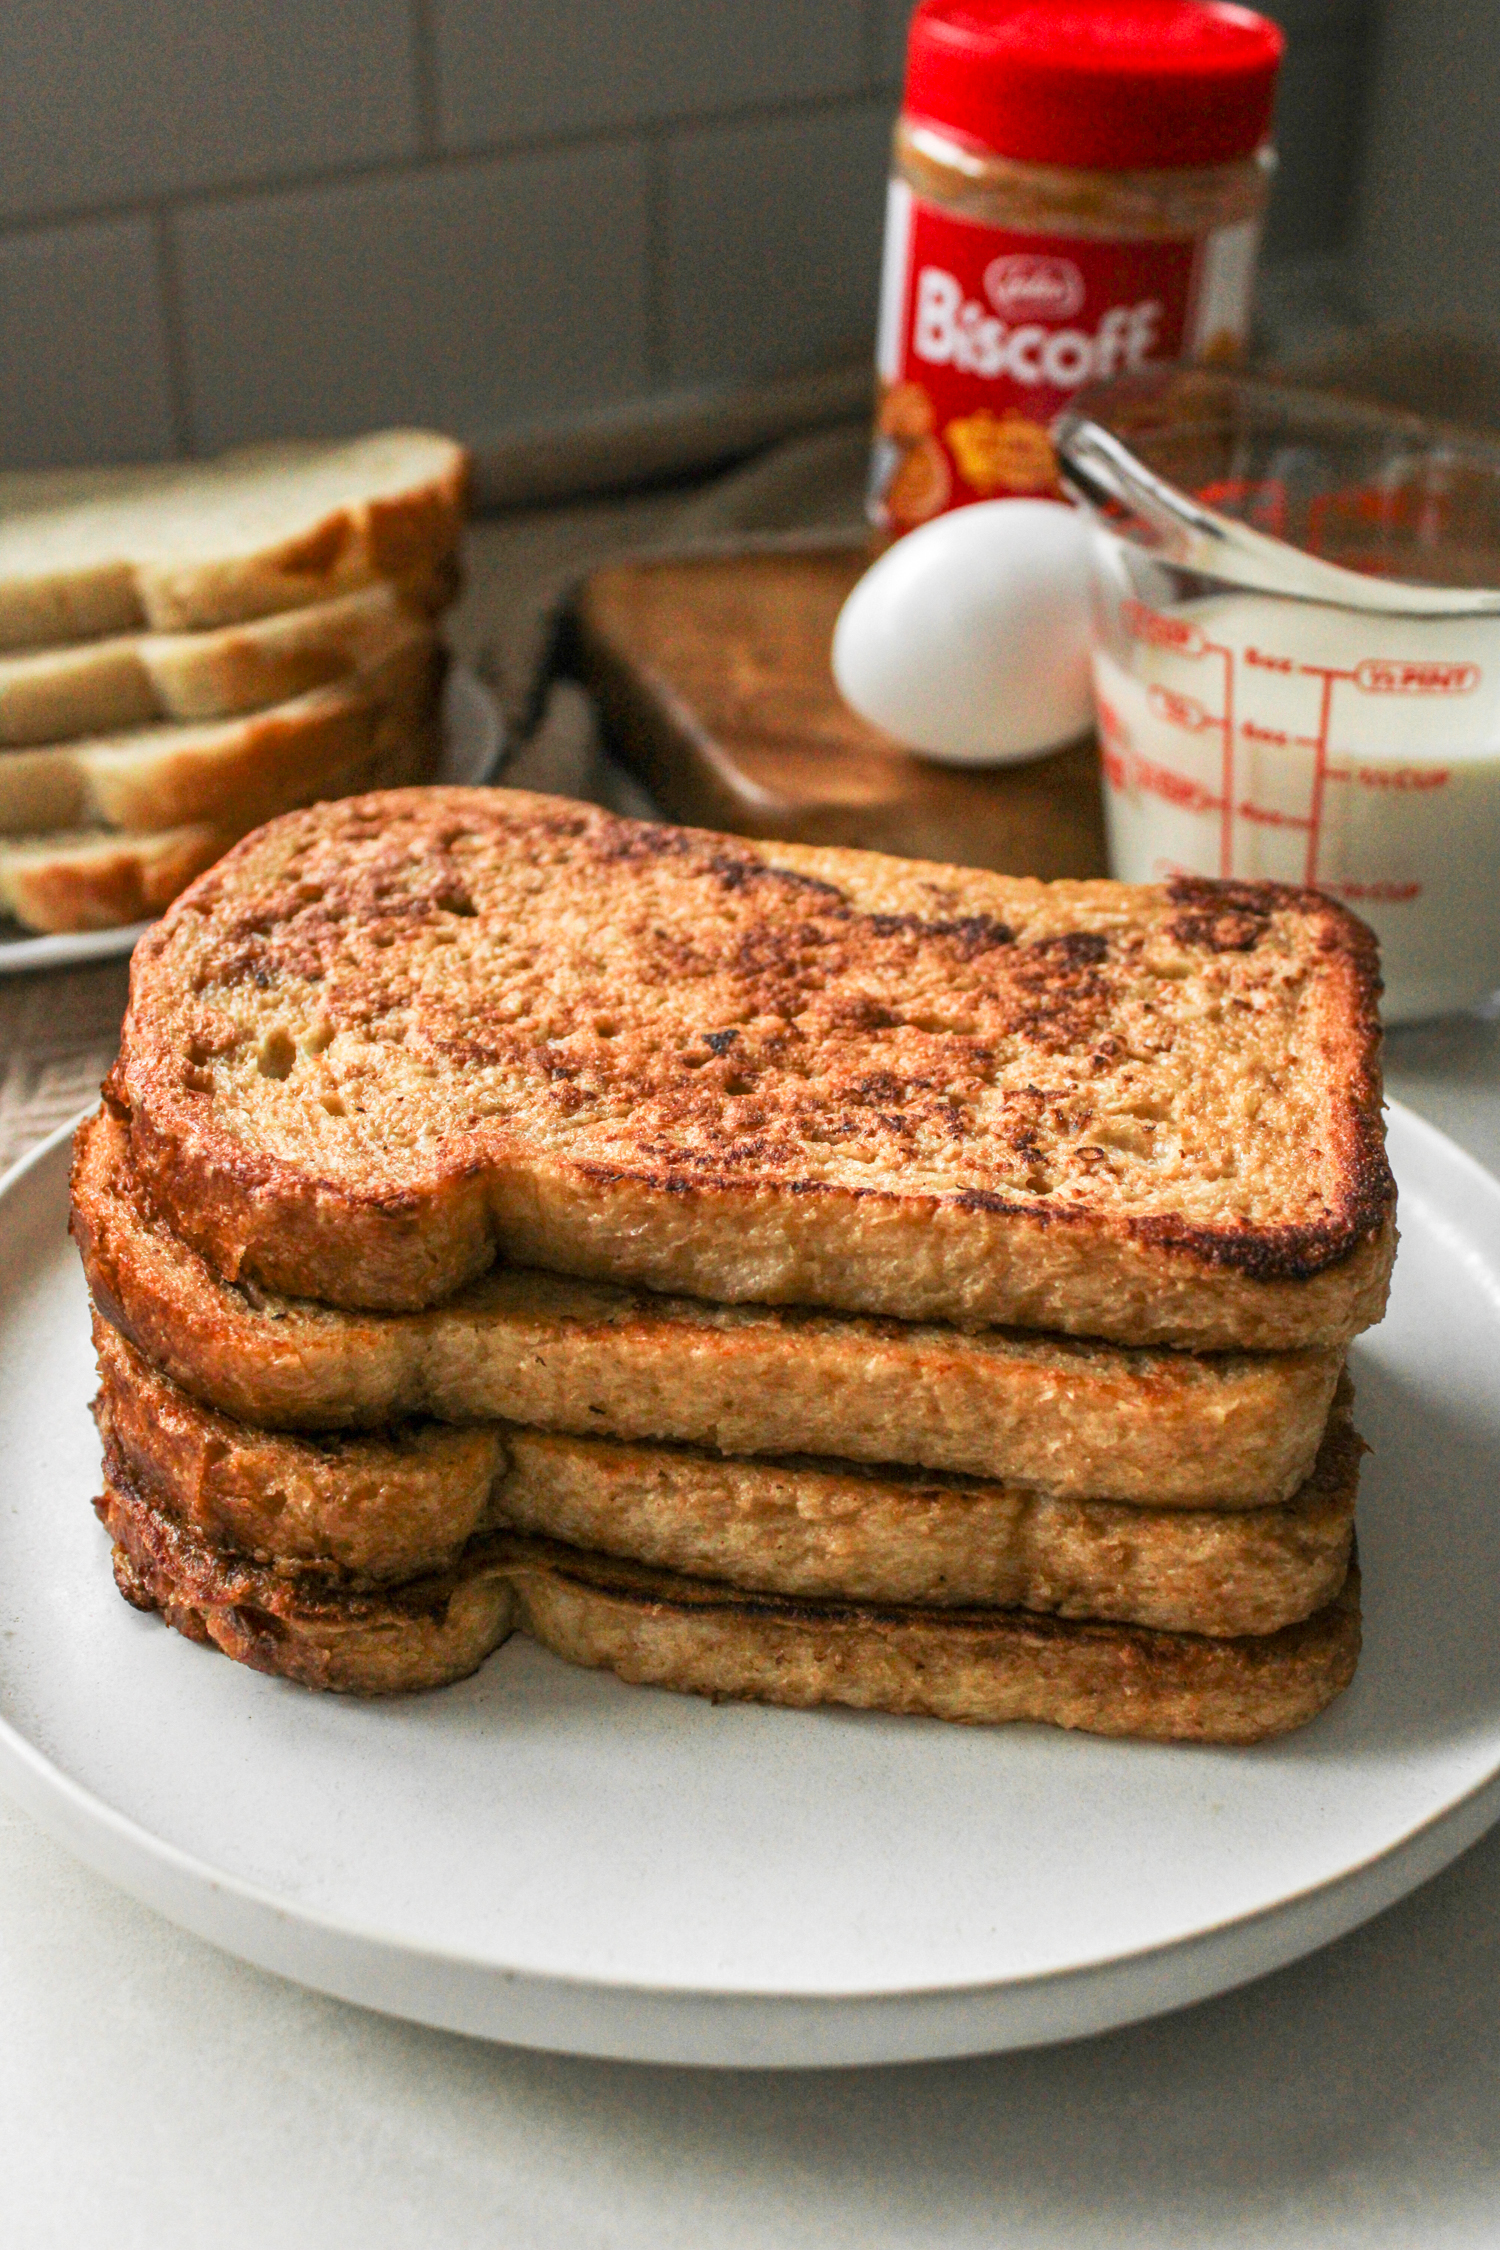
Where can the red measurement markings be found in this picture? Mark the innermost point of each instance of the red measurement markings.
(1402, 778)
(1114, 744)
(1382, 894)
(1262, 816)
(1377, 675)
(1186, 639)
(1380, 675)
(1398, 777)
(1110, 722)
(1372, 676)
(1177, 789)
(1176, 633)
(1180, 710)
(1320, 765)
(1226, 773)
(1373, 528)
(1257, 500)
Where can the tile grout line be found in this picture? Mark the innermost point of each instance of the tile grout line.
(425, 76)
(174, 333)
(657, 256)
(871, 43)
(427, 164)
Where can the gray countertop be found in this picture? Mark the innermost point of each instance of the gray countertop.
(155, 2092)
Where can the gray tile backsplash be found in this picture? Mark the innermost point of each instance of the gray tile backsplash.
(508, 72)
(481, 213)
(83, 359)
(1429, 237)
(501, 292)
(115, 100)
(1319, 113)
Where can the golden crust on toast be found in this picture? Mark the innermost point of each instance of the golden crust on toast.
(384, 1042)
(662, 1630)
(1069, 1417)
(361, 1510)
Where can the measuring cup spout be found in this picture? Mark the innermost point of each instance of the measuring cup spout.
(1291, 492)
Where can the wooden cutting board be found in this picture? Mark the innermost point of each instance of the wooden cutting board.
(712, 674)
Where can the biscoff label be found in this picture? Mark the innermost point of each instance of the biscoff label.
(987, 333)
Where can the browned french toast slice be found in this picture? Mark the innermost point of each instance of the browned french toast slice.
(1169, 1429)
(387, 1040)
(660, 1629)
(382, 1507)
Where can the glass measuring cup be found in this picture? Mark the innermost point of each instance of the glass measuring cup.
(1297, 657)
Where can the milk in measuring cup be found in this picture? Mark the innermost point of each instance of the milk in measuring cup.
(1291, 741)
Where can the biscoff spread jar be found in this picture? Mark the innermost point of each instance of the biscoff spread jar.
(1078, 190)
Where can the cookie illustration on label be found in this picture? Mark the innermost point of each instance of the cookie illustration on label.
(905, 413)
(1002, 453)
(921, 485)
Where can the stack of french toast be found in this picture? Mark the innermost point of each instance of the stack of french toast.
(759, 1270)
(186, 651)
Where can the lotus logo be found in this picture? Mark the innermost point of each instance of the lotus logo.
(1023, 287)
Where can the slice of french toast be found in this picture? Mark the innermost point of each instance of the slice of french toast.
(661, 1629)
(387, 1040)
(1086, 1420)
(367, 1509)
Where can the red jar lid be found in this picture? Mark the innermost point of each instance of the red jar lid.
(1102, 85)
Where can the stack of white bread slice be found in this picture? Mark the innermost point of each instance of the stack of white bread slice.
(186, 651)
(762, 1271)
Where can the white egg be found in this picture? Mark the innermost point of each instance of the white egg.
(969, 639)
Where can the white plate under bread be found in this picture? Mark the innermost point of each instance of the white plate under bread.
(546, 1855)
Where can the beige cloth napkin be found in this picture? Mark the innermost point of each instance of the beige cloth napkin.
(59, 1029)
(58, 1034)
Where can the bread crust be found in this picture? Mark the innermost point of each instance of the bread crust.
(658, 1629)
(402, 532)
(764, 1073)
(97, 687)
(1084, 1420)
(94, 879)
(230, 774)
(381, 1508)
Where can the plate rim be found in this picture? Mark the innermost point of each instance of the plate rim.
(564, 2012)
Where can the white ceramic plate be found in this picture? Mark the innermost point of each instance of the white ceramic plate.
(546, 1856)
(472, 741)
